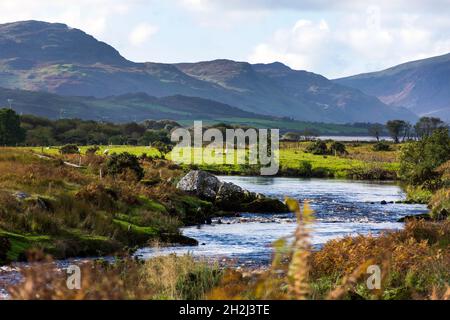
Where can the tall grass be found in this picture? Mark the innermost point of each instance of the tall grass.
(168, 277)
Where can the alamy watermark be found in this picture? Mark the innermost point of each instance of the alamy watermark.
(73, 281)
(259, 147)
(374, 280)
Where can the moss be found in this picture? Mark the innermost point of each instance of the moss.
(192, 210)
(134, 234)
(19, 244)
(152, 205)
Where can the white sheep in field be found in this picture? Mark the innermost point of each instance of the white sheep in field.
(106, 152)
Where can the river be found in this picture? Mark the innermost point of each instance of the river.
(342, 208)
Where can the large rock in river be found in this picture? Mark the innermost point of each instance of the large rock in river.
(226, 195)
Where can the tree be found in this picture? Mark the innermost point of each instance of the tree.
(396, 128)
(152, 136)
(419, 160)
(427, 125)
(40, 136)
(11, 133)
(375, 130)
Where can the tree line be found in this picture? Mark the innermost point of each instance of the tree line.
(400, 130)
(28, 130)
(31, 130)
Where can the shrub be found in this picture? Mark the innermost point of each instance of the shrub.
(381, 146)
(121, 163)
(338, 148)
(317, 147)
(69, 149)
(305, 169)
(440, 204)
(419, 160)
(92, 150)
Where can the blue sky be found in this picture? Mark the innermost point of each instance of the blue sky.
(333, 38)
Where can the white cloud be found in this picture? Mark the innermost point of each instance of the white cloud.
(141, 33)
(316, 5)
(355, 43)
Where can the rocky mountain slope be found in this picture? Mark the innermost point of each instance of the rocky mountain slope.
(54, 58)
(422, 86)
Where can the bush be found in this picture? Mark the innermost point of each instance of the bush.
(92, 150)
(122, 163)
(305, 169)
(317, 147)
(381, 146)
(440, 204)
(69, 149)
(420, 160)
(338, 148)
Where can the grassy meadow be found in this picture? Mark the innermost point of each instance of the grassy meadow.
(361, 161)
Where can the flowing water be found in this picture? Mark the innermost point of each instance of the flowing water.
(341, 207)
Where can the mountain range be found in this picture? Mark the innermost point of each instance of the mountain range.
(422, 86)
(46, 67)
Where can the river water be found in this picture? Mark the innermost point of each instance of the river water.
(342, 208)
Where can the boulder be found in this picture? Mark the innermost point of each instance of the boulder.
(226, 195)
(200, 183)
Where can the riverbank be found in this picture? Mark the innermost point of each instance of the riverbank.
(85, 211)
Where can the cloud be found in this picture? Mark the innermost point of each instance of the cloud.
(315, 5)
(92, 16)
(355, 42)
(219, 14)
(141, 33)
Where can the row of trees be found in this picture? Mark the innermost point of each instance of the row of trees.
(35, 131)
(404, 131)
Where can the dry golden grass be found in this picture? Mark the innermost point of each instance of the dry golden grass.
(168, 277)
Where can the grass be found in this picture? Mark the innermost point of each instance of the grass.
(361, 162)
(69, 211)
(161, 278)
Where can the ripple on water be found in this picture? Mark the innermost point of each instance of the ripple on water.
(342, 208)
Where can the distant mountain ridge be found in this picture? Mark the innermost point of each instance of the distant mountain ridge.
(422, 86)
(124, 108)
(40, 56)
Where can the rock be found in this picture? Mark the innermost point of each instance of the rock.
(178, 239)
(383, 202)
(228, 196)
(423, 216)
(200, 183)
(266, 205)
(21, 195)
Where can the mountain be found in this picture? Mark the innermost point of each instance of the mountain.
(124, 108)
(422, 86)
(40, 56)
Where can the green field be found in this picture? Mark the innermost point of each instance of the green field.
(360, 163)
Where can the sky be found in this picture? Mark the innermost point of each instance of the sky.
(334, 38)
